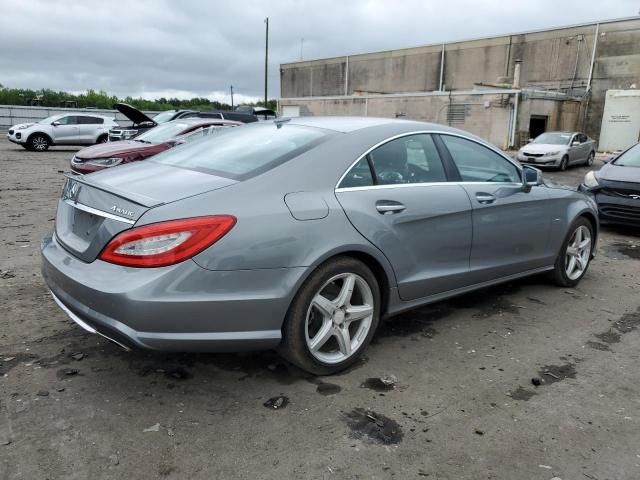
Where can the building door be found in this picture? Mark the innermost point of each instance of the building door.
(537, 125)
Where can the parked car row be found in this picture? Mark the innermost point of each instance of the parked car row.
(80, 129)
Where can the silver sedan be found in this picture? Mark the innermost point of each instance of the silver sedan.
(558, 149)
(301, 235)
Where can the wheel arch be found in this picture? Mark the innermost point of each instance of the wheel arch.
(375, 261)
(44, 134)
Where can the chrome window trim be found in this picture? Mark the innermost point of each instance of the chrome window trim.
(425, 184)
(427, 132)
(100, 213)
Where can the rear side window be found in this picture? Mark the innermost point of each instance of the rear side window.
(410, 159)
(90, 120)
(477, 163)
(246, 151)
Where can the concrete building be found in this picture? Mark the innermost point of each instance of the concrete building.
(506, 89)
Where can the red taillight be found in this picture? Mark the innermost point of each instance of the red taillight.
(166, 243)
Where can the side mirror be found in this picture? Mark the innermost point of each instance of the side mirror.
(55, 124)
(530, 140)
(575, 143)
(532, 176)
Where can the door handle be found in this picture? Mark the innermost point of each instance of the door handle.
(386, 208)
(485, 198)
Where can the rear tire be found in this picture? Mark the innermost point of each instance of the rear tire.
(332, 318)
(39, 142)
(103, 139)
(575, 254)
(564, 163)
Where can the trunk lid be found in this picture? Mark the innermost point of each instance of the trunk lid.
(94, 208)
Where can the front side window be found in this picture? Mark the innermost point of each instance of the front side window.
(247, 151)
(477, 163)
(68, 120)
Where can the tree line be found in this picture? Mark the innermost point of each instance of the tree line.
(100, 99)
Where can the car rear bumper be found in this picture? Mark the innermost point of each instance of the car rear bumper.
(183, 307)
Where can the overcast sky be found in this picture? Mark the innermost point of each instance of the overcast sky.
(154, 48)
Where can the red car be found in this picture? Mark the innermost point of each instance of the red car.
(156, 140)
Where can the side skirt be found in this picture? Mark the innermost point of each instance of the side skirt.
(396, 305)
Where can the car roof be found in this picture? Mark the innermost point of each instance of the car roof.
(203, 121)
(351, 124)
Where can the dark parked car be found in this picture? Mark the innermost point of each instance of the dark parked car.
(302, 235)
(147, 144)
(244, 117)
(616, 188)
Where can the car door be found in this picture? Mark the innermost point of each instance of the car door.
(90, 128)
(585, 147)
(575, 149)
(66, 130)
(399, 198)
(511, 223)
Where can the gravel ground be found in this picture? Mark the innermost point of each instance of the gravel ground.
(464, 406)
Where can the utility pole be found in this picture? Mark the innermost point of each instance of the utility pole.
(301, 47)
(266, 59)
(231, 97)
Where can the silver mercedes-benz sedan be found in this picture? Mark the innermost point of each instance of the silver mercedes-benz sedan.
(302, 234)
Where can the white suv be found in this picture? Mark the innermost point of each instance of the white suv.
(64, 129)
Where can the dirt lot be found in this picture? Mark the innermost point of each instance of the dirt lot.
(74, 406)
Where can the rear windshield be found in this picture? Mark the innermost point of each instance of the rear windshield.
(163, 132)
(243, 152)
(630, 158)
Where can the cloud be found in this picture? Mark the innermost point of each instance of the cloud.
(199, 48)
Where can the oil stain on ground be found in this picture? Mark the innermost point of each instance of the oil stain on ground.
(324, 388)
(522, 394)
(630, 250)
(377, 385)
(556, 373)
(415, 322)
(627, 323)
(372, 426)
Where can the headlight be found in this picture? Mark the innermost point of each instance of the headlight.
(23, 127)
(127, 134)
(551, 154)
(105, 162)
(590, 180)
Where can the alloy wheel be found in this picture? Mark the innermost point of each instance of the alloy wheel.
(339, 318)
(578, 253)
(40, 144)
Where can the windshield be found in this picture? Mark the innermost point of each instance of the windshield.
(164, 116)
(245, 151)
(163, 132)
(630, 158)
(50, 119)
(553, 138)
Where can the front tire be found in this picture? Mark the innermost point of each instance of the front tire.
(564, 163)
(332, 318)
(575, 254)
(102, 139)
(39, 143)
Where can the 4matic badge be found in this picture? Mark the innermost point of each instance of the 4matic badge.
(122, 211)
